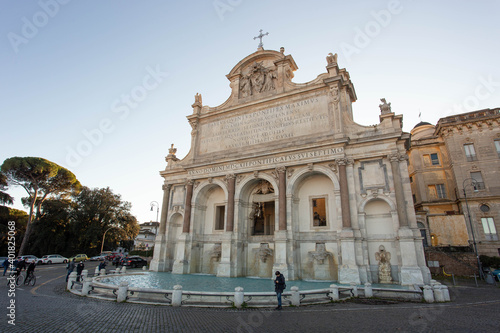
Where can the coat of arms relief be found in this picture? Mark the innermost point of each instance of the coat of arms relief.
(257, 79)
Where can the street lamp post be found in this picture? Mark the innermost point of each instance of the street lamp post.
(154, 203)
(473, 183)
(104, 235)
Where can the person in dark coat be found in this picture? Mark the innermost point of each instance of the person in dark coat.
(79, 269)
(70, 268)
(279, 286)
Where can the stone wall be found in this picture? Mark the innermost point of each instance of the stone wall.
(457, 263)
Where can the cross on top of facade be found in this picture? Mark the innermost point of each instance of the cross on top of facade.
(260, 37)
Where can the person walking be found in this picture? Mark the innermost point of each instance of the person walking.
(6, 265)
(79, 270)
(279, 286)
(70, 268)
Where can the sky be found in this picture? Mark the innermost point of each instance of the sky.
(103, 88)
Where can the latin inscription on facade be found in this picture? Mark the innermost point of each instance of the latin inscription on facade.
(270, 161)
(282, 122)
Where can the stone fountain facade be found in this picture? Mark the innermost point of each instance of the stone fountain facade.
(280, 177)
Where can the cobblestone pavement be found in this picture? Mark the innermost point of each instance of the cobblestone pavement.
(47, 307)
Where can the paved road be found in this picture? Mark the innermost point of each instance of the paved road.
(47, 307)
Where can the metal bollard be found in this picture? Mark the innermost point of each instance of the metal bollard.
(368, 290)
(295, 296)
(238, 297)
(177, 295)
(334, 292)
(122, 292)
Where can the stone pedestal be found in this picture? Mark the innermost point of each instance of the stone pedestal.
(181, 265)
(226, 266)
(411, 273)
(158, 262)
(280, 257)
(348, 270)
(177, 296)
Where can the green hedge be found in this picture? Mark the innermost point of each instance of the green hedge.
(493, 262)
(148, 253)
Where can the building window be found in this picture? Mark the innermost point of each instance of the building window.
(411, 179)
(423, 233)
(441, 191)
(219, 217)
(478, 177)
(434, 159)
(497, 146)
(490, 232)
(470, 152)
(414, 198)
(319, 212)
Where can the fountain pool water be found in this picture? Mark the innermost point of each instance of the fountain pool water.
(202, 282)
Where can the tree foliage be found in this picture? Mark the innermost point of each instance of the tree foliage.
(20, 218)
(41, 179)
(97, 211)
(5, 198)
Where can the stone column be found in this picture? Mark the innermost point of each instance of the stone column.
(158, 261)
(164, 209)
(398, 188)
(348, 268)
(344, 193)
(282, 197)
(231, 180)
(187, 206)
(280, 236)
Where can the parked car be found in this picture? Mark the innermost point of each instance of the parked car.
(79, 257)
(97, 258)
(496, 274)
(134, 262)
(29, 258)
(53, 259)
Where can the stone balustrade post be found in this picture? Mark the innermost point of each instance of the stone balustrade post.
(334, 292)
(295, 296)
(144, 268)
(368, 290)
(96, 271)
(87, 286)
(85, 273)
(117, 270)
(177, 295)
(238, 297)
(102, 272)
(71, 280)
(428, 295)
(122, 292)
(354, 288)
(123, 270)
(446, 293)
(438, 293)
